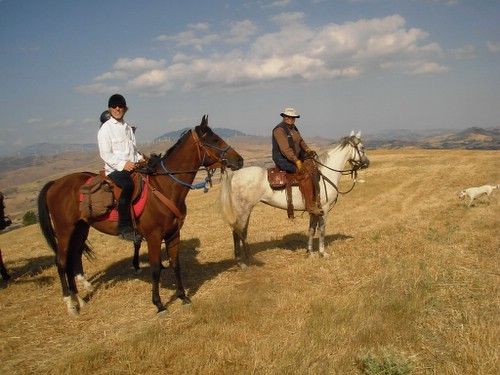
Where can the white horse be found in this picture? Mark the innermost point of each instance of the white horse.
(241, 190)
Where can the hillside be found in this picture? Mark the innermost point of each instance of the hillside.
(474, 138)
(411, 287)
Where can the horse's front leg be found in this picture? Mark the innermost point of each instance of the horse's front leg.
(154, 245)
(135, 261)
(322, 226)
(173, 253)
(313, 222)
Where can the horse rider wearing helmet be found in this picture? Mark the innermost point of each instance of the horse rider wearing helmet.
(291, 154)
(117, 148)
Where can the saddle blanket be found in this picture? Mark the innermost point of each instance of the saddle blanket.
(137, 206)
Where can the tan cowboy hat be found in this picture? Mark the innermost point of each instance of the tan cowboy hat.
(290, 112)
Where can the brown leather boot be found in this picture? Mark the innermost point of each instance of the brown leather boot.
(308, 190)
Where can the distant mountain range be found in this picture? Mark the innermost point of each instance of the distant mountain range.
(474, 138)
(176, 134)
(54, 149)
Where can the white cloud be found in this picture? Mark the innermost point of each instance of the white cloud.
(295, 51)
(34, 120)
(288, 18)
(465, 52)
(194, 37)
(429, 68)
(138, 64)
(493, 47)
(241, 31)
(278, 3)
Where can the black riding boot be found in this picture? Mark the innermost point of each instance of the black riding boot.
(125, 228)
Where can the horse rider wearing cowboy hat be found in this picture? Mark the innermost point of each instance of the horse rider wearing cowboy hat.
(291, 154)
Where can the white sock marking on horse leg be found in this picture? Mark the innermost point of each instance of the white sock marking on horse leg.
(81, 302)
(85, 283)
(70, 306)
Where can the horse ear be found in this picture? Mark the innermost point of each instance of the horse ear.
(352, 133)
(204, 121)
(358, 134)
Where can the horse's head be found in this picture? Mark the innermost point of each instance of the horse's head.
(358, 159)
(215, 151)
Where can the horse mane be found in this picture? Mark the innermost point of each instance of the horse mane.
(345, 141)
(155, 159)
(179, 141)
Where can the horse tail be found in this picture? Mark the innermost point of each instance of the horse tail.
(226, 198)
(44, 217)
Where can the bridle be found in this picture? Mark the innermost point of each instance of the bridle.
(356, 165)
(205, 150)
(208, 149)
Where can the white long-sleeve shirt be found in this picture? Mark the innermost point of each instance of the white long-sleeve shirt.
(116, 142)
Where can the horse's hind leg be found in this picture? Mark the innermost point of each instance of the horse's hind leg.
(237, 242)
(154, 246)
(61, 262)
(135, 261)
(78, 242)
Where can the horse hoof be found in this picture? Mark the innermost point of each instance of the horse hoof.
(311, 254)
(324, 254)
(186, 300)
(137, 271)
(73, 311)
(242, 266)
(161, 312)
(81, 301)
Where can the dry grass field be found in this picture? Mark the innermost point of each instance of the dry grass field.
(412, 287)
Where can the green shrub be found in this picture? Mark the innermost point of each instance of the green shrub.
(387, 364)
(29, 218)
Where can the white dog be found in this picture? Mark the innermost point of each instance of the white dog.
(474, 192)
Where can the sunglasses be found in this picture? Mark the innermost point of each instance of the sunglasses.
(119, 106)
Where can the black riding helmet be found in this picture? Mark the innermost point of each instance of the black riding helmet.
(105, 116)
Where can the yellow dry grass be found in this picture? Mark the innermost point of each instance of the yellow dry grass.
(413, 277)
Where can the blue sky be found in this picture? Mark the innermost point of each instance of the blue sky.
(345, 64)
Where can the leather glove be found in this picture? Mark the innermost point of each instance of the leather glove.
(298, 164)
(311, 154)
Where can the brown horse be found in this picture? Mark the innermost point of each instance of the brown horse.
(170, 179)
(4, 223)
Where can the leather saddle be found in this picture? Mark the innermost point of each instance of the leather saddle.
(279, 180)
(138, 186)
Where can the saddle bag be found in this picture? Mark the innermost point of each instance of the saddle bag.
(96, 198)
(277, 178)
